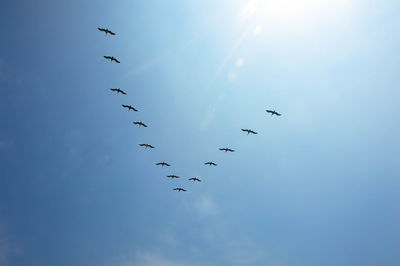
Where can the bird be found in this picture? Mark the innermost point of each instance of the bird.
(179, 189)
(249, 131)
(119, 91)
(210, 163)
(129, 107)
(195, 179)
(163, 164)
(226, 150)
(173, 176)
(146, 146)
(106, 31)
(273, 113)
(112, 58)
(140, 124)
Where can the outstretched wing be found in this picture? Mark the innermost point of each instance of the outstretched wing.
(107, 57)
(125, 106)
(150, 146)
(112, 33)
(116, 60)
(114, 89)
(101, 29)
(121, 91)
(135, 111)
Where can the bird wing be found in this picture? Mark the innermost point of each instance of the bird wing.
(101, 29)
(144, 125)
(135, 110)
(114, 89)
(107, 57)
(116, 60)
(121, 91)
(112, 33)
(150, 146)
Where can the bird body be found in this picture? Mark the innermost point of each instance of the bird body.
(195, 179)
(173, 176)
(146, 145)
(163, 164)
(119, 91)
(129, 107)
(273, 112)
(249, 131)
(112, 58)
(226, 150)
(179, 189)
(107, 31)
(210, 163)
(140, 124)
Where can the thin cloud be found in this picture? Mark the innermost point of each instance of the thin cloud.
(7, 246)
(152, 259)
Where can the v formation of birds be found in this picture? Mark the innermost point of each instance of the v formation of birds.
(142, 124)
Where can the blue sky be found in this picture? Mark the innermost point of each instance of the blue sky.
(317, 186)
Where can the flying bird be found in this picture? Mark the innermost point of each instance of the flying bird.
(273, 113)
(146, 146)
(163, 164)
(173, 176)
(179, 189)
(119, 91)
(140, 124)
(129, 107)
(226, 150)
(106, 31)
(210, 163)
(195, 179)
(112, 58)
(249, 131)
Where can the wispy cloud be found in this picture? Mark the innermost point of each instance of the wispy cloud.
(205, 206)
(4, 144)
(152, 259)
(7, 246)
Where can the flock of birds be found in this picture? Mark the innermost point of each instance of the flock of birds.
(141, 124)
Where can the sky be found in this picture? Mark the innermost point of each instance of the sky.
(319, 185)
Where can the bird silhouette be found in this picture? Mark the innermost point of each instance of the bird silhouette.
(210, 163)
(106, 31)
(112, 58)
(226, 150)
(146, 146)
(273, 112)
(119, 91)
(163, 164)
(140, 124)
(129, 107)
(249, 131)
(195, 179)
(179, 189)
(173, 176)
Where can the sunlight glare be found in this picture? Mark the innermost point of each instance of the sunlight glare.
(288, 10)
